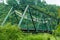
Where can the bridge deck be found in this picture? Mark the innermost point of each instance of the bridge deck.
(36, 31)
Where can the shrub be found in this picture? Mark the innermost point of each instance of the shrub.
(9, 32)
(57, 31)
(40, 37)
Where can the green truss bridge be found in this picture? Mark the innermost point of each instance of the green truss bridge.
(32, 19)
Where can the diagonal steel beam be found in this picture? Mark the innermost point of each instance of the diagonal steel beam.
(9, 13)
(42, 11)
(23, 15)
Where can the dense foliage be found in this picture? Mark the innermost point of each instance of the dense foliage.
(9, 32)
(51, 9)
(57, 31)
(12, 32)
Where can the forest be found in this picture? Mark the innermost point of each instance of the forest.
(29, 20)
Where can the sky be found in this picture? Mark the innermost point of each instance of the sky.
(57, 2)
(1, 1)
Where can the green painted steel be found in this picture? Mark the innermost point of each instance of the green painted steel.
(9, 13)
(36, 20)
(23, 16)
